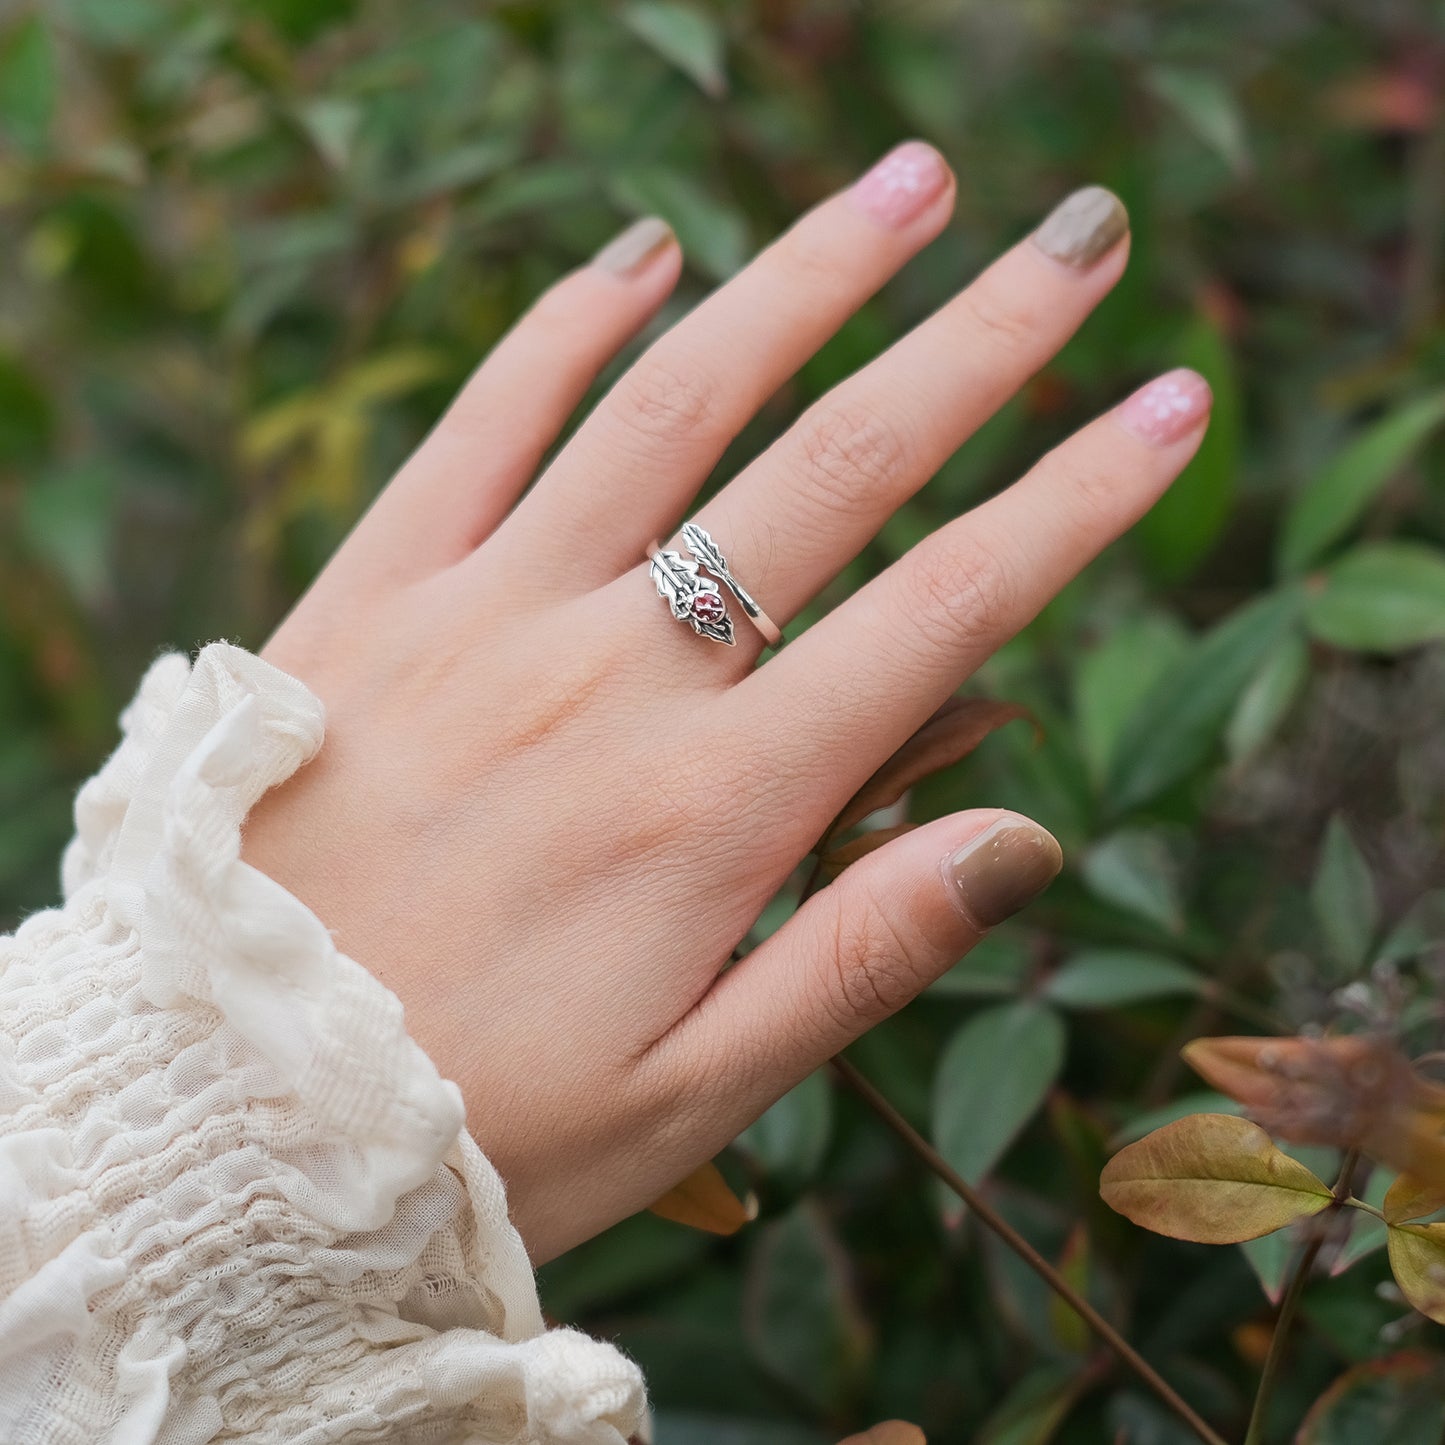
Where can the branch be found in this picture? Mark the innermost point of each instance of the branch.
(932, 1160)
(1290, 1304)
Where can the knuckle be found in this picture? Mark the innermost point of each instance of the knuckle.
(876, 962)
(1093, 484)
(963, 593)
(667, 399)
(554, 312)
(810, 257)
(850, 454)
(1009, 326)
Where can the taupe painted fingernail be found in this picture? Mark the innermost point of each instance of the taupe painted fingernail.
(630, 250)
(1083, 227)
(1006, 866)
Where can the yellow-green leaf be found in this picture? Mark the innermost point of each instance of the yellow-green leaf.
(704, 1200)
(1212, 1178)
(1417, 1258)
(1413, 1198)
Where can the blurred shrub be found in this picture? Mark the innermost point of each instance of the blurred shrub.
(252, 246)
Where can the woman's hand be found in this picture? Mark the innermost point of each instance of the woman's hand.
(546, 811)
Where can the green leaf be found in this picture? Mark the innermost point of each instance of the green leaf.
(1201, 1101)
(685, 36)
(1035, 1407)
(1269, 1257)
(1338, 497)
(713, 235)
(1134, 870)
(1213, 1179)
(1367, 1234)
(801, 1320)
(1183, 525)
(1117, 977)
(995, 967)
(66, 519)
(1420, 930)
(1343, 899)
(332, 125)
(991, 1079)
(27, 419)
(1204, 102)
(1399, 1400)
(695, 1427)
(789, 1141)
(29, 86)
(639, 1253)
(1381, 597)
(1172, 730)
(1264, 703)
(116, 22)
(1113, 678)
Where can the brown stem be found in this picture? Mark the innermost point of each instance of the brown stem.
(1290, 1304)
(932, 1160)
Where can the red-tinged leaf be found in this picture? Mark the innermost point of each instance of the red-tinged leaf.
(1412, 1198)
(1355, 1092)
(953, 732)
(705, 1201)
(888, 1432)
(1389, 100)
(1211, 1178)
(1399, 1400)
(1417, 1260)
(835, 860)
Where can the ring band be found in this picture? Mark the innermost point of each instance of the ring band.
(695, 599)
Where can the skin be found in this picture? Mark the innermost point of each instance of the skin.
(546, 812)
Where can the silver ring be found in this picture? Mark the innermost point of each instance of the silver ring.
(696, 599)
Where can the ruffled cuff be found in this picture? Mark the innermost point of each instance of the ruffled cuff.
(236, 1198)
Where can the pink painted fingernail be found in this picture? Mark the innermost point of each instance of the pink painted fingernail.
(1168, 408)
(898, 188)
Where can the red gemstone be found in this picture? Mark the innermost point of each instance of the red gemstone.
(708, 607)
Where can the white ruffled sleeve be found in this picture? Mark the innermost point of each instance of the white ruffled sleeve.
(237, 1201)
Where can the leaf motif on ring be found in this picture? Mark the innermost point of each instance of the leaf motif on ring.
(707, 552)
(678, 581)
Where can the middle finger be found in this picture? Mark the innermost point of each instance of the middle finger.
(793, 519)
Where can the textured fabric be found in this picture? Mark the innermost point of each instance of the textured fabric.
(237, 1201)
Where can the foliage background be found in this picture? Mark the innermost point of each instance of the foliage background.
(251, 246)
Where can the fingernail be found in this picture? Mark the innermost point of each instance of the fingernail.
(629, 251)
(1168, 408)
(1083, 227)
(1006, 866)
(902, 184)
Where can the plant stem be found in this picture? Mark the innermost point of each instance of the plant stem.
(1290, 1304)
(934, 1161)
(916, 1144)
(1366, 1208)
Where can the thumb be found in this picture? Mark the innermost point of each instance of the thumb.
(860, 949)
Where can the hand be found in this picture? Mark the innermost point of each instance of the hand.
(546, 811)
